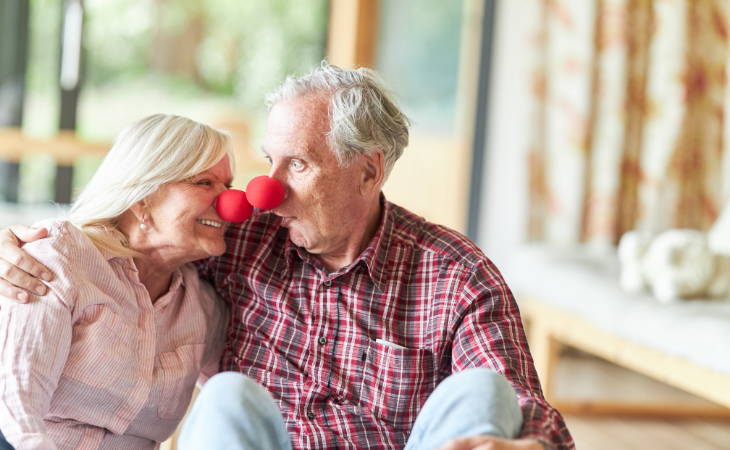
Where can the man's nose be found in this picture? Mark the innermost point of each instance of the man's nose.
(277, 174)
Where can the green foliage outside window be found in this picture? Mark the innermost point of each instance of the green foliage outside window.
(205, 59)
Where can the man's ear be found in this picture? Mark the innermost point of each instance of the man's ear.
(373, 172)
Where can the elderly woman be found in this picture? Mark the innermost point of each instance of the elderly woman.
(110, 357)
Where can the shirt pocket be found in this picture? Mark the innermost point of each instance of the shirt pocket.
(180, 370)
(396, 383)
(101, 348)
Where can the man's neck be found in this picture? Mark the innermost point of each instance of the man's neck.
(354, 248)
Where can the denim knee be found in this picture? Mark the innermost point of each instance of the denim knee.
(238, 389)
(478, 382)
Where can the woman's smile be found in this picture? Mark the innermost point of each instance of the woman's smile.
(210, 223)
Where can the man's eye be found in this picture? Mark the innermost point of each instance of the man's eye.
(268, 158)
(203, 183)
(297, 165)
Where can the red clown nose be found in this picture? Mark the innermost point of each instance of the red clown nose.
(265, 192)
(232, 206)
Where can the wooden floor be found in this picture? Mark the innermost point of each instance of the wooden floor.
(613, 433)
(582, 376)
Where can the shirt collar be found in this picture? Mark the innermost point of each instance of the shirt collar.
(374, 257)
(177, 277)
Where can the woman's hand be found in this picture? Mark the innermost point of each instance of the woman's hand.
(18, 271)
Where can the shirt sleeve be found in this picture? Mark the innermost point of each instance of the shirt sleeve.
(217, 332)
(34, 346)
(490, 334)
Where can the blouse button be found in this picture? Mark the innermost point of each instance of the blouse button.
(311, 415)
(322, 340)
(328, 283)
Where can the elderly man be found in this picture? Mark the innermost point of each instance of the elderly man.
(366, 326)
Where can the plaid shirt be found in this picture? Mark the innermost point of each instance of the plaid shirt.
(351, 356)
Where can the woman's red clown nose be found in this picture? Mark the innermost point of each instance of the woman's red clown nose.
(262, 192)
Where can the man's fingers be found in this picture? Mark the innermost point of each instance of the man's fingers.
(28, 234)
(10, 253)
(466, 443)
(485, 442)
(13, 293)
(17, 274)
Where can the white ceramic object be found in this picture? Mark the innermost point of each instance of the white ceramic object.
(631, 249)
(679, 264)
(719, 286)
(718, 237)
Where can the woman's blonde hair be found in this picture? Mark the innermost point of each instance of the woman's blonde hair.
(146, 155)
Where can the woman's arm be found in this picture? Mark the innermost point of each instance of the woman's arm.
(217, 332)
(34, 346)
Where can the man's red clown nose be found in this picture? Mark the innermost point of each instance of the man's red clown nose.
(265, 192)
(262, 192)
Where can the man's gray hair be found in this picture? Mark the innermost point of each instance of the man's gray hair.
(363, 116)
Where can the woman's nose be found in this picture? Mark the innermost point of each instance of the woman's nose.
(221, 190)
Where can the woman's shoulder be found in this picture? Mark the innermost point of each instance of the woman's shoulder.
(67, 252)
(64, 240)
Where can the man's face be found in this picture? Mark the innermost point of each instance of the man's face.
(323, 205)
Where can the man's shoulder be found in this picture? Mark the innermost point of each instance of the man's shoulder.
(413, 230)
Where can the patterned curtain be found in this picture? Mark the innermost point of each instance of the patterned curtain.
(629, 100)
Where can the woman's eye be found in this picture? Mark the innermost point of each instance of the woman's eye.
(203, 183)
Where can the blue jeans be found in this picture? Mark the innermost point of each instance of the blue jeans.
(234, 412)
(4, 445)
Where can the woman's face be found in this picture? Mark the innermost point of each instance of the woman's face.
(184, 222)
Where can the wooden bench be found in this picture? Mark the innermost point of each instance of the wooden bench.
(586, 326)
(550, 328)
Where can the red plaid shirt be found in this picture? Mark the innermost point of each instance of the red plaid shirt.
(313, 339)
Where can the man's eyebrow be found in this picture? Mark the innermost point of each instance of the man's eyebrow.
(287, 155)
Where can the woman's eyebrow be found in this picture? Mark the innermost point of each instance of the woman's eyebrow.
(208, 173)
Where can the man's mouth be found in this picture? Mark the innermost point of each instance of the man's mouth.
(210, 223)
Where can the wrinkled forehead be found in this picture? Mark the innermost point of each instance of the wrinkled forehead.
(299, 125)
(305, 111)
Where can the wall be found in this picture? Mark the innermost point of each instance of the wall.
(504, 195)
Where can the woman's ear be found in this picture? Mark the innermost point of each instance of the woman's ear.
(373, 172)
(139, 210)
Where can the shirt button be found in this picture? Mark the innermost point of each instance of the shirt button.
(310, 414)
(328, 283)
(322, 340)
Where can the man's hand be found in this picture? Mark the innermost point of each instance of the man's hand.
(482, 442)
(17, 269)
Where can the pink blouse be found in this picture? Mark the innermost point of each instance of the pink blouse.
(95, 364)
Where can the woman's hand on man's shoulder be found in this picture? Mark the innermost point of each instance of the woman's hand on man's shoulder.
(19, 272)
